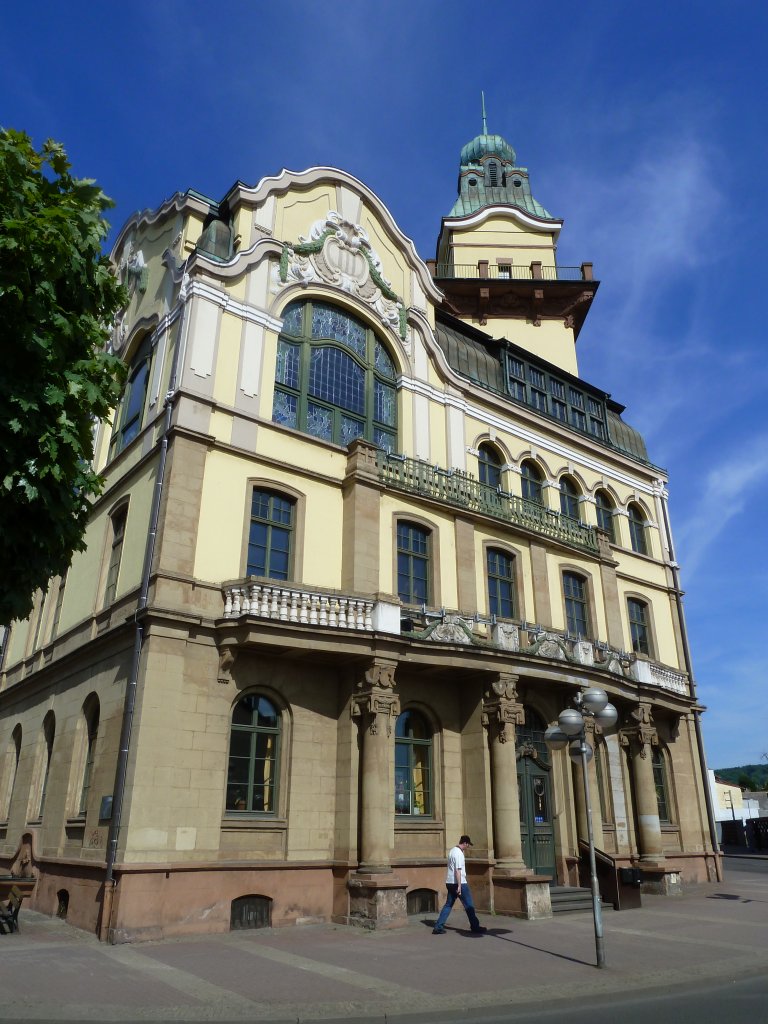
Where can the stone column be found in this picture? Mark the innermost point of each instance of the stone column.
(640, 739)
(376, 895)
(501, 713)
(375, 704)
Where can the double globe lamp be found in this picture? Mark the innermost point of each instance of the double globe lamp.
(570, 732)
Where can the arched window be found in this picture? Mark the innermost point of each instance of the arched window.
(489, 466)
(639, 630)
(604, 508)
(576, 613)
(637, 529)
(334, 378)
(501, 583)
(91, 714)
(49, 731)
(569, 498)
(254, 744)
(662, 787)
(270, 535)
(413, 765)
(130, 412)
(10, 771)
(413, 563)
(531, 479)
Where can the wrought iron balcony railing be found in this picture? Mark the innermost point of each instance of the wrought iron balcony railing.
(462, 490)
(510, 272)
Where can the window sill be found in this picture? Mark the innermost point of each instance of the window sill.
(252, 822)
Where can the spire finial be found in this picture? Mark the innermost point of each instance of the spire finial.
(485, 120)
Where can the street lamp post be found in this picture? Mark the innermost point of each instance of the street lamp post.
(570, 731)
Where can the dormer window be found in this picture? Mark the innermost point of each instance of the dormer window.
(493, 174)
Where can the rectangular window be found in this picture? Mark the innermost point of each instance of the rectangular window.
(269, 536)
(412, 563)
(638, 626)
(576, 398)
(560, 410)
(575, 593)
(501, 584)
(578, 419)
(115, 554)
(538, 400)
(536, 377)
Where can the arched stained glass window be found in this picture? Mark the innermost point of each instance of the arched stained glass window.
(334, 378)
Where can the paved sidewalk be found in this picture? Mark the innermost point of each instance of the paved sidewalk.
(51, 971)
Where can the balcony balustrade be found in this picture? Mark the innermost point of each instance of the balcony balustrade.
(288, 604)
(509, 272)
(462, 490)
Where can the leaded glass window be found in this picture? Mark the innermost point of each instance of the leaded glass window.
(253, 756)
(334, 379)
(413, 765)
(501, 583)
(269, 535)
(412, 563)
(575, 593)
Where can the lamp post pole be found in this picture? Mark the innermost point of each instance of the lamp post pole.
(570, 731)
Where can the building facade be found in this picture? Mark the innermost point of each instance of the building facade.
(365, 532)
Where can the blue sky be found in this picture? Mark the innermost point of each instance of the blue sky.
(644, 127)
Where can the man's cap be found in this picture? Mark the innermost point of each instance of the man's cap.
(465, 839)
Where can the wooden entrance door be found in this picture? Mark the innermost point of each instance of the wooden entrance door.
(535, 789)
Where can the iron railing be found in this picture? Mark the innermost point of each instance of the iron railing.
(460, 489)
(513, 272)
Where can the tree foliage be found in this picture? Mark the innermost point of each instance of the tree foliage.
(57, 299)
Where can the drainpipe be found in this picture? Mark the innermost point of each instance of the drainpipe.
(689, 669)
(138, 641)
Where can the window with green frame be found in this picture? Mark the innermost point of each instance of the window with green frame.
(413, 566)
(637, 529)
(638, 626)
(489, 466)
(254, 744)
(413, 765)
(576, 614)
(270, 535)
(569, 498)
(662, 787)
(334, 378)
(501, 583)
(604, 508)
(130, 412)
(531, 481)
(537, 388)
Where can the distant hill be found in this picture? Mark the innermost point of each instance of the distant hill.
(756, 773)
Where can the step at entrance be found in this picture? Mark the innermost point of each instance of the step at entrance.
(569, 898)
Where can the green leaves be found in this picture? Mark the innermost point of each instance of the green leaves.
(57, 293)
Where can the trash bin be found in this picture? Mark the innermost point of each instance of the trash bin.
(630, 876)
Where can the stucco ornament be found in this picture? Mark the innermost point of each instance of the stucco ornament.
(454, 629)
(374, 701)
(549, 645)
(502, 710)
(339, 253)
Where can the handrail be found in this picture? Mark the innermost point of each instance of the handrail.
(511, 272)
(455, 487)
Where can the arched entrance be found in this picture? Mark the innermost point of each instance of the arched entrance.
(533, 778)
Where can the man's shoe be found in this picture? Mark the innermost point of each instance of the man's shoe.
(438, 931)
(479, 931)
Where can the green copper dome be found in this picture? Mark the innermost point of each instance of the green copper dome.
(487, 145)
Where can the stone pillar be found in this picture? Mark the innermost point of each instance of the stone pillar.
(375, 704)
(611, 600)
(640, 739)
(501, 713)
(376, 896)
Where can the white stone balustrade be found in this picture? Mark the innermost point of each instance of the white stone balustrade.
(286, 604)
(651, 674)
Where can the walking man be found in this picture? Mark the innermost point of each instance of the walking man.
(456, 884)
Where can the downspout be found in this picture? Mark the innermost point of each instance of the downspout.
(689, 669)
(129, 705)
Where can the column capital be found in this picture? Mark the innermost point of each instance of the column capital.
(639, 730)
(501, 708)
(375, 698)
